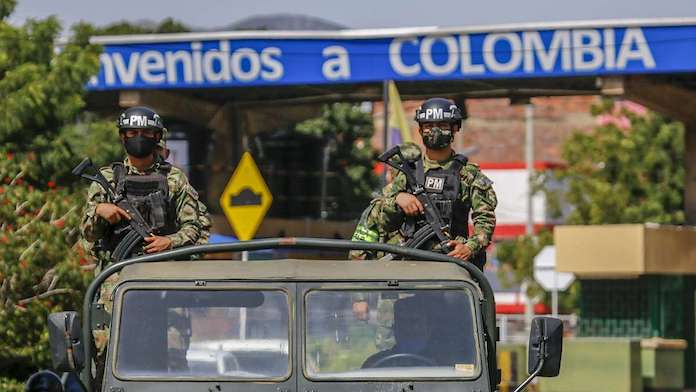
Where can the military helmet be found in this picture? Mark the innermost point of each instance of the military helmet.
(140, 117)
(439, 110)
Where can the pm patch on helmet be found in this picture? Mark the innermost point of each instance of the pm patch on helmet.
(437, 110)
(140, 117)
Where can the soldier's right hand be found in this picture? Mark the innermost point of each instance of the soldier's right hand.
(409, 203)
(111, 212)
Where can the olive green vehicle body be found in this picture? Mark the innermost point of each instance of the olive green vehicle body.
(296, 278)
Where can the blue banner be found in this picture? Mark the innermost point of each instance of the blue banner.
(492, 55)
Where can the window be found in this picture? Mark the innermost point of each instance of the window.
(406, 333)
(238, 334)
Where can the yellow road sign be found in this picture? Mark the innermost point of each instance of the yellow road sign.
(246, 198)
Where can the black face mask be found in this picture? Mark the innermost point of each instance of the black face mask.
(140, 146)
(438, 138)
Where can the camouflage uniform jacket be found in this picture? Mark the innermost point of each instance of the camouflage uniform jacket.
(476, 191)
(368, 229)
(192, 227)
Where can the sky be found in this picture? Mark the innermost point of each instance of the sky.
(206, 14)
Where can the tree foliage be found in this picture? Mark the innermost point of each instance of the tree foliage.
(347, 130)
(614, 174)
(633, 175)
(43, 134)
(168, 25)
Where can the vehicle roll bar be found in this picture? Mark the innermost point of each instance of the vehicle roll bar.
(181, 254)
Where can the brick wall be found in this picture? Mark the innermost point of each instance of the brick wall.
(496, 129)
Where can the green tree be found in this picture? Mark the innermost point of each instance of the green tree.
(613, 175)
(347, 130)
(168, 25)
(43, 134)
(630, 175)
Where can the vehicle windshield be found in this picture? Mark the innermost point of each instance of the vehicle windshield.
(403, 334)
(203, 334)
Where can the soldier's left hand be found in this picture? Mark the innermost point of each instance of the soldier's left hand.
(157, 244)
(459, 250)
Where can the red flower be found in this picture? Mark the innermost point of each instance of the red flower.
(83, 261)
(10, 155)
(51, 184)
(59, 223)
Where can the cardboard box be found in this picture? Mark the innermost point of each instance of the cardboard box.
(625, 250)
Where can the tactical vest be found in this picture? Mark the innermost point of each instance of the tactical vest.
(444, 189)
(150, 195)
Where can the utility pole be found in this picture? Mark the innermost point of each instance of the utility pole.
(529, 158)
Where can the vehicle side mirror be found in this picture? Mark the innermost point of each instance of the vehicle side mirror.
(44, 381)
(65, 338)
(545, 347)
(544, 351)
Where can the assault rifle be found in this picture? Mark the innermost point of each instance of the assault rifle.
(436, 225)
(140, 228)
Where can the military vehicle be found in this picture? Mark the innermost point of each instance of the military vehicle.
(289, 325)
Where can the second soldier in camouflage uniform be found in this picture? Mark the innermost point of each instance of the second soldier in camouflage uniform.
(171, 208)
(369, 228)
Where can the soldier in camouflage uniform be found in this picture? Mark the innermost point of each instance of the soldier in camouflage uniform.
(458, 187)
(171, 207)
(370, 229)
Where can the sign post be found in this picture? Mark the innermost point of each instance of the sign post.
(551, 280)
(245, 199)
